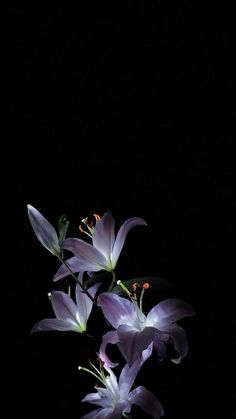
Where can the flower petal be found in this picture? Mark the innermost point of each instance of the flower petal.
(109, 337)
(121, 236)
(73, 263)
(128, 374)
(63, 306)
(104, 235)
(99, 413)
(133, 342)
(179, 339)
(148, 402)
(46, 325)
(93, 398)
(160, 346)
(117, 310)
(83, 302)
(90, 258)
(121, 407)
(168, 311)
(43, 230)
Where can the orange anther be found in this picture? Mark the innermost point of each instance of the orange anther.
(81, 229)
(135, 286)
(97, 217)
(146, 285)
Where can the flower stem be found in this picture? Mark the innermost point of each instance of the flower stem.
(112, 281)
(76, 279)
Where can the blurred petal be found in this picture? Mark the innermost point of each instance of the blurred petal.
(55, 324)
(160, 347)
(93, 398)
(121, 236)
(109, 337)
(90, 258)
(63, 306)
(147, 401)
(168, 311)
(117, 310)
(43, 230)
(179, 339)
(104, 235)
(63, 271)
(121, 407)
(83, 302)
(133, 342)
(99, 413)
(128, 374)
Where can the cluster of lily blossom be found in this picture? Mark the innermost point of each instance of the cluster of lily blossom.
(136, 334)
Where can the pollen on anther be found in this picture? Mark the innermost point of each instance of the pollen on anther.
(135, 286)
(146, 285)
(81, 229)
(97, 217)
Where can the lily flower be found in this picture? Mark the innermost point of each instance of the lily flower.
(115, 397)
(70, 316)
(44, 230)
(135, 331)
(105, 249)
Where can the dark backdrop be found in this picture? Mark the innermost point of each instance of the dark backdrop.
(122, 106)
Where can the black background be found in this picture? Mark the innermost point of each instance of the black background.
(123, 106)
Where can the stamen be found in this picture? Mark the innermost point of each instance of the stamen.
(90, 225)
(135, 286)
(85, 232)
(81, 229)
(92, 373)
(145, 286)
(124, 288)
(97, 217)
(85, 221)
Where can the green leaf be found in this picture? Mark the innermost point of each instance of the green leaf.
(96, 277)
(156, 283)
(63, 225)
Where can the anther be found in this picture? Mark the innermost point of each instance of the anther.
(97, 217)
(135, 286)
(81, 229)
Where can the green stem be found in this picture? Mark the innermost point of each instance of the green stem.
(80, 283)
(112, 281)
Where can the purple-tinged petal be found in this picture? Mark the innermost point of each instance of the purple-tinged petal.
(128, 374)
(148, 402)
(133, 342)
(89, 256)
(104, 235)
(160, 346)
(73, 263)
(179, 339)
(109, 337)
(83, 302)
(121, 236)
(63, 306)
(93, 398)
(43, 230)
(46, 325)
(108, 412)
(121, 407)
(117, 310)
(167, 312)
(99, 413)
